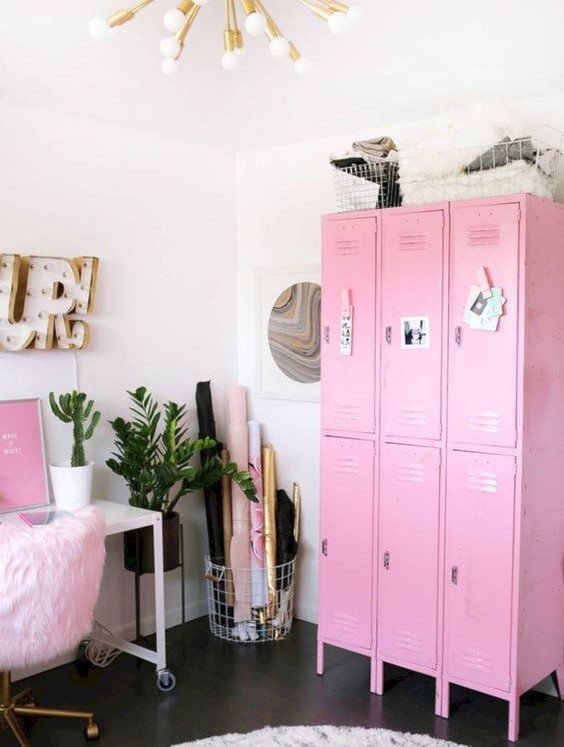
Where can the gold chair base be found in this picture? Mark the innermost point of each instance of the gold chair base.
(24, 706)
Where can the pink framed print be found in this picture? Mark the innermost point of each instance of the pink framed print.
(23, 470)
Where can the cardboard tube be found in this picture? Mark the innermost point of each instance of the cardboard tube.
(297, 496)
(227, 530)
(269, 487)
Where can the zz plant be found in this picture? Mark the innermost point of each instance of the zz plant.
(154, 460)
(73, 408)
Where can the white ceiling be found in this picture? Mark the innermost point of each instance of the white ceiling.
(404, 61)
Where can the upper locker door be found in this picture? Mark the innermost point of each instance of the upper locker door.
(348, 312)
(483, 364)
(413, 248)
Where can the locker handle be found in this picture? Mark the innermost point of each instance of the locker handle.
(389, 335)
(324, 547)
(326, 334)
(387, 560)
(454, 575)
(458, 336)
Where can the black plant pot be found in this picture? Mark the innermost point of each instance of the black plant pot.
(144, 536)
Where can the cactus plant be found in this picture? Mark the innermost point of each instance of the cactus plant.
(73, 408)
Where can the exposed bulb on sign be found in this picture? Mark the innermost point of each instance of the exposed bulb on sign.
(279, 47)
(354, 14)
(338, 23)
(99, 28)
(302, 66)
(170, 47)
(169, 66)
(255, 23)
(230, 61)
(173, 20)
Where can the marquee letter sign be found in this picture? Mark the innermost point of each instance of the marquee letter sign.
(37, 297)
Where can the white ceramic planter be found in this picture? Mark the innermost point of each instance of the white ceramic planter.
(72, 486)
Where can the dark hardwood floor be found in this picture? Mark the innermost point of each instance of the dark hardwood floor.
(226, 687)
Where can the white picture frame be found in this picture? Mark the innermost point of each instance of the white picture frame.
(271, 382)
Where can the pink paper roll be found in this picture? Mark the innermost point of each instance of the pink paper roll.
(236, 405)
(240, 544)
(258, 573)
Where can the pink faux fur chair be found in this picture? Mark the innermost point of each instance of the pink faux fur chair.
(49, 582)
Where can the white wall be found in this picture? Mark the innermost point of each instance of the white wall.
(281, 194)
(160, 216)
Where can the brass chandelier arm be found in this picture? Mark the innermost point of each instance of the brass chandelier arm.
(181, 35)
(335, 6)
(323, 12)
(128, 14)
(273, 30)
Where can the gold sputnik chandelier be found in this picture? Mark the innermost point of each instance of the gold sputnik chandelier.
(178, 22)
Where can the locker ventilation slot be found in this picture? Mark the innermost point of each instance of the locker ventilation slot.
(482, 482)
(347, 248)
(413, 241)
(345, 624)
(347, 412)
(476, 661)
(347, 466)
(410, 473)
(484, 235)
(416, 417)
(407, 641)
(484, 422)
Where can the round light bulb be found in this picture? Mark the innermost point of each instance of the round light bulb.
(169, 66)
(173, 20)
(302, 66)
(255, 23)
(99, 28)
(354, 14)
(170, 47)
(338, 23)
(279, 47)
(230, 61)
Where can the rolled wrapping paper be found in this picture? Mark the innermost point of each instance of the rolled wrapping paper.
(285, 540)
(297, 497)
(227, 530)
(240, 543)
(269, 489)
(236, 406)
(258, 573)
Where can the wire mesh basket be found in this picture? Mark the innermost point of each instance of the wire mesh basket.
(367, 186)
(264, 602)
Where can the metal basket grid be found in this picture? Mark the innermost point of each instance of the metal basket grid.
(367, 186)
(270, 622)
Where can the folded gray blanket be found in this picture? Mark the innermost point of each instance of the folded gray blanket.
(504, 152)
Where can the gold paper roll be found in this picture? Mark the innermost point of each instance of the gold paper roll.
(269, 487)
(297, 496)
(227, 530)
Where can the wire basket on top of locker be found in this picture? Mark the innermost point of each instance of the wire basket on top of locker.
(264, 597)
(367, 186)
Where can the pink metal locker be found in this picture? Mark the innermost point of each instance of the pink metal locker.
(409, 555)
(348, 319)
(483, 364)
(413, 247)
(346, 565)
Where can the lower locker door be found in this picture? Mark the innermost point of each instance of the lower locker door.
(409, 554)
(347, 499)
(479, 567)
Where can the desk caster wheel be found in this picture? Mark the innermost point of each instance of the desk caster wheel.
(166, 681)
(92, 732)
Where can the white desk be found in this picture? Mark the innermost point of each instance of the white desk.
(121, 518)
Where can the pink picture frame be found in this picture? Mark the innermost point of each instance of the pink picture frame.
(24, 481)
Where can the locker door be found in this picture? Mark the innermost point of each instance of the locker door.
(479, 567)
(347, 499)
(412, 299)
(483, 365)
(409, 554)
(349, 279)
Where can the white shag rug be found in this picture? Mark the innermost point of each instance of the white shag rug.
(321, 736)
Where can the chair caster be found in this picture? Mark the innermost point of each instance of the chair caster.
(166, 681)
(92, 732)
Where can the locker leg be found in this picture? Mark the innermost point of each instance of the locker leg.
(438, 696)
(560, 681)
(320, 663)
(373, 669)
(379, 684)
(513, 734)
(445, 700)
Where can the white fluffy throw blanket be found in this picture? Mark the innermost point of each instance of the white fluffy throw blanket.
(49, 582)
(433, 158)
(321, 736)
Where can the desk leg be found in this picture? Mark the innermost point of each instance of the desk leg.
(159, 593)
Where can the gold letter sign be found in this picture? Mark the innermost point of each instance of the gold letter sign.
(37, 295)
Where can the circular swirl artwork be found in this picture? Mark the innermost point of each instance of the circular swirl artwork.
(294, 332)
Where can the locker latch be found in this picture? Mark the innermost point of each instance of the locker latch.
(387, 560)
(458, 336)
(454, 574)
(326, 334)
(389, 335)
(324, 547)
